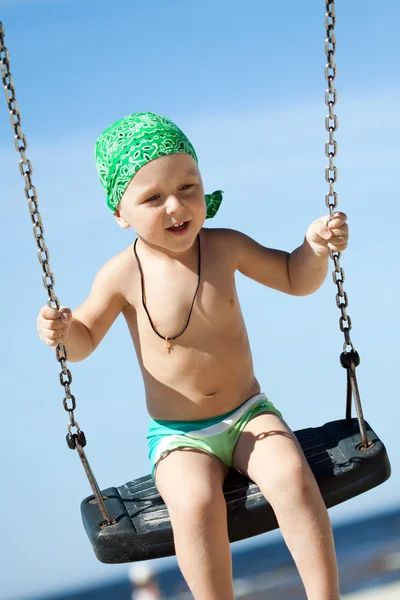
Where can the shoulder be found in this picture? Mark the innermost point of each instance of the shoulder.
(118, 263)
(115, 273)
(228, 242)
(223, 235)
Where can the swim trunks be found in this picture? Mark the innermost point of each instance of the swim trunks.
(217, 436)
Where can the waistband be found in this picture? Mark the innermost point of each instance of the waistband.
(156, 426)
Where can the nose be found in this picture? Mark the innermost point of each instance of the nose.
(173, 205)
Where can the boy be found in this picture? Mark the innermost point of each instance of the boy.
(175, 287)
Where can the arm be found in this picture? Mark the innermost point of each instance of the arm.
(92, 320)
(308, 264)
(300, 273)
(307, 270)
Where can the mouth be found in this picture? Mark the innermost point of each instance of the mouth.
(179, 228)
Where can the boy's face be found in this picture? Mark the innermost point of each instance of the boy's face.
(165, 192)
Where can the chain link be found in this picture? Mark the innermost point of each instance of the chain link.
(331, 174)
(26, 170)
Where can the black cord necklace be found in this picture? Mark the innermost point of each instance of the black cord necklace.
(170, 338)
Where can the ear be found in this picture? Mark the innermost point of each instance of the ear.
(120, 219)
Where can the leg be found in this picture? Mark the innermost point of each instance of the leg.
(269, 454)
(190, 483)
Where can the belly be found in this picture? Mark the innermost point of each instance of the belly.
(209, 371)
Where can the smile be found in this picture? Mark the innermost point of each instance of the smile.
(179, 227)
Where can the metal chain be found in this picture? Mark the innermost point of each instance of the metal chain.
(21, 145)
(331, 198)
(26, 170)
(349, 358)
(76, 440)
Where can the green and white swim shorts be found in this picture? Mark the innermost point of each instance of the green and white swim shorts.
(217, 436)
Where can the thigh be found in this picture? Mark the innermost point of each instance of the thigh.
(190, 479)
(269, 454)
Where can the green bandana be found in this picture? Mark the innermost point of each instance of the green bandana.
(124, 147)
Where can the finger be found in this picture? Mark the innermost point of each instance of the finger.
(49, 313)
(342, 231)
(52, 334)
(48, 342)
(50, 325)
(339, 239)
(338, 220)
(65, 315)
(321, 228)
(51, 338)
(52, 343)
(338, 247)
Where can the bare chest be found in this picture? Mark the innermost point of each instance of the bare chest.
(168, 303)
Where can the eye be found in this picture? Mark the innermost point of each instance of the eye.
(153, 198)
(186, 186)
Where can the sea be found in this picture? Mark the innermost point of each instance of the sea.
(368, 552)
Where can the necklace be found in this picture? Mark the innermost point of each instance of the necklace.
(170, 338)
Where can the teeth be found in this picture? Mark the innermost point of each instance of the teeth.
(178, 225)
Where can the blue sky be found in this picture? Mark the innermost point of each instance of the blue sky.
(246, 83)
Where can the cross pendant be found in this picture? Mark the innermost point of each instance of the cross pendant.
(168, 345)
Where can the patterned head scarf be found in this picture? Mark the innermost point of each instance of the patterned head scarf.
(124, 147)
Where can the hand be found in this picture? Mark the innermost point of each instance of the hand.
(54, 325)
(324, 235)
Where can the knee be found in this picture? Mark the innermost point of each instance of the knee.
(292, 479)
(195, 503)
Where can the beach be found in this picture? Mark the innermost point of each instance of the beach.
(387, 592)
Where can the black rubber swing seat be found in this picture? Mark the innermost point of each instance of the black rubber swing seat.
(142, 529)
